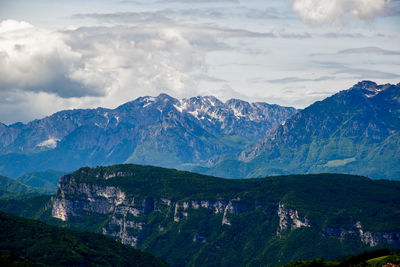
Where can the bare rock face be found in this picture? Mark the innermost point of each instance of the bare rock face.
(83, 198)
(371, 239)
(289, 219)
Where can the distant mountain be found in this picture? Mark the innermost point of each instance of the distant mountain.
(354, 131)
(10, 188)
(195, 220)
(149, 130)
(26, 242)
(43, 179)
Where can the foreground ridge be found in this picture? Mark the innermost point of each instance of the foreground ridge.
(188, 218)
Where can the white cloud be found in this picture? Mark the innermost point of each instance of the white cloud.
(39, 60)
(140, 60)
(318, 12)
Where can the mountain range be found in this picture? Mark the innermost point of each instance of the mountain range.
(190, 219)
(161, 131)
(355, 131)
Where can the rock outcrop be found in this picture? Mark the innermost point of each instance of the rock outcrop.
(371, 239)
(289, 218)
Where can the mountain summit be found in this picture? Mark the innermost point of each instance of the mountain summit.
(158, 130)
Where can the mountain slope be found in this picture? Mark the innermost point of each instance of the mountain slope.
(159, 130)
(354, 131)
(45, 179)
(191, 219)
(10, 188)
(53, 246)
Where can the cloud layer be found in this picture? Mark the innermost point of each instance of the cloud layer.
(318, 12)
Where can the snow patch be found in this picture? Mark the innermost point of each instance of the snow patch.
(49, 143)
(180, 109)
(147, 104)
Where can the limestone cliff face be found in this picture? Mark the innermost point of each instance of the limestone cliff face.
(289, 218)
(366, 237)
(126, 215)
(74, 199)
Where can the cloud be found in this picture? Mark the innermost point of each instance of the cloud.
(318, 12)
(342, 35)
(141, 60)
(357, 73)
(208, 78)
(166, 18)
(369, 50)
(38, 60)
(190, 2)
(363, 74)
(293, 79)
(127, 17)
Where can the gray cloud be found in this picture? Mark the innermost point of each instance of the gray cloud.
(127, 17)
(369, 50)
(167, 17)
(392, 10)
(286, 35)
(342, 35)
(37, 60)
(361, 73)
(160, 16)
(356, 73)
(293, 79)
(190, 2)
(208, 78)
(268, 13)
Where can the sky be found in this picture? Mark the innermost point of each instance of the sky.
(66, 54)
